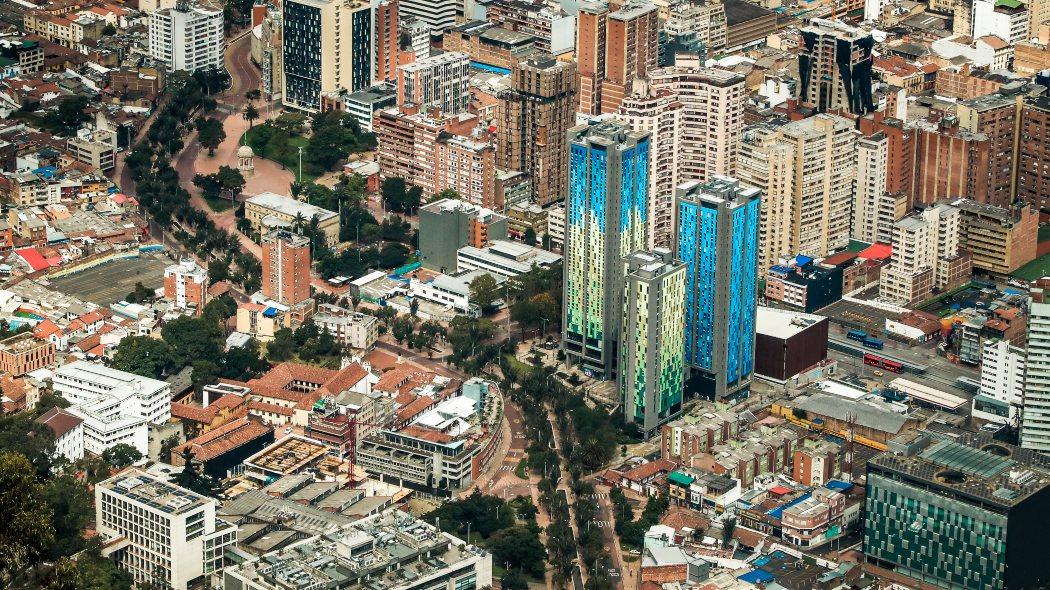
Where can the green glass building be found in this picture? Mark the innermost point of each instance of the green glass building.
(967, 512)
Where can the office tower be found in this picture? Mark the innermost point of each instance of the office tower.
(286, 267)
(966, 513)
(874, 210)
(1002, 382)
(926, 256)
(606, 221)
(994, 116)
(651, 344)
(811, 218)
(387, 40)
(534, 116)
(1035, 414)
(1033, 162)
(835, 67)
(439, 81)
(187, 37)
(438, 15)
(170, 535)
(613, 48)
(694, 117)
(447, 225)
(716, 237)
(186, 285)
(328, 48)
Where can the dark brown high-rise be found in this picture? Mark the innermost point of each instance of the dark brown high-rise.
(534, 116)
(1033, 170)
(996, 116)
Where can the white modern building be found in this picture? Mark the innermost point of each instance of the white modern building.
(437, 14)
(1035, 415)
(116, 407)
(505, 258)
(187, 37)
(440, 81)
(69, 433)
(350, 328)
(1002, 382)
(186, 283)
(162, 534)
(1006, 20)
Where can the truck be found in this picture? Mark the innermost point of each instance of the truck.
(858, 335)
(874, 343)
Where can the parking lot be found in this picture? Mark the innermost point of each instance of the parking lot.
(110, 282)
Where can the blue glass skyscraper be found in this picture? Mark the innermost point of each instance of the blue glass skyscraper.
(606, 215)
(716, 237)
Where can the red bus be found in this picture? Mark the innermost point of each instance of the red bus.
(875, 360)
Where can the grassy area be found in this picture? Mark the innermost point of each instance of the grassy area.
(519, 471)
(519, 368)
(1036, 269)
(219, 205)
(291, 157)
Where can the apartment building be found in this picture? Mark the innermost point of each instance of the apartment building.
(551, 26)
(186, 285)
(1035, 413)
(489, 44)
(875, 210)
(704, 20)
(652, 339)
(96, 148)
(806, 171)
(615, 45)
(466, 165)
(1001, 396)
(408, 138)
(68, 430)
(999, 239)
(387, 40)
(116, 407)
(996, 117)
(1007, 20)
(438, 81)
(534, 116)
(22, 353)
(187, 37)
(926, 256)
(328, 47)
(835, 67)
(170, 535)
(286, 267)
(1033, 161)
(350, 328)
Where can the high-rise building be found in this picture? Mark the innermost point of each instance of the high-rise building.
(1007, 20)
(606, 221)
(651, 340)
(534, 116)
(171, 535)
(1035, 415)
(286, 267)
(716, 237)
(387, 40)
(994, 116)
(1033, 162)
(1000, 240)
(438, 15)
(1002, 382)
(186, 285)
(805, 170)
(695, 119)
(614, 46)
(835, 67)
(328, 48)
(875, 210)
(187, 37)
(964, 512)
(439, 81)
(900, 152)
(926, 256)
(467, 166)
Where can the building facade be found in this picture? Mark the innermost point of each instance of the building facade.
(186, 285)
(607, 215)
(652, 348)
(716, 237)
(187, 38)
(615, 45)
(286, 267)
(835, 67)
(438, 81)
(1035, 415)
(1002, 382)
(926, 256)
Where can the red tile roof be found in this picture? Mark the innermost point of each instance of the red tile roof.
(876, 251)
(224, 439)
(192, 413)
(59, 421)
(648, 470)
(33, 258)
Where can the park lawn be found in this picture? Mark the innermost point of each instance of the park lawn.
(519, 471)
(519, 368)
(1036, 269)
(291, 161)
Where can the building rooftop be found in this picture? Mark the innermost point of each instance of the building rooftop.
(974, 466)
(289, 206)
(782, 323)
(139, 486)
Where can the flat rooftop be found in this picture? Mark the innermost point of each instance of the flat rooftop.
(290, 206)
(141, 487)
(287, 455)
(782, 323)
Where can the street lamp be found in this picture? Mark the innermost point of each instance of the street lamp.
(300, 164)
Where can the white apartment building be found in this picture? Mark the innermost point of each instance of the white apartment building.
(187, 38)
(437, 14)
(925, 256)
(556, 225)
(1008, 23)
(1035, 415)
(706, 19)
(869, 187)
(350, 328)
(186, 283)
(806, 170)
(694, 117)
(1002, 382)
(437, 81)
(68, 430)
(116, 407)
(169, 535)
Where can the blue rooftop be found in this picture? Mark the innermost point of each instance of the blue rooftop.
(270, 312)
(838, 485)
(756, 577)
(777, 512)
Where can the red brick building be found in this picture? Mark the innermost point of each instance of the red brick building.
(286, 268)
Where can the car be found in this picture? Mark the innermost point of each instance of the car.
(288, 430)
(992, 427)
(550, 345)
(877, 373)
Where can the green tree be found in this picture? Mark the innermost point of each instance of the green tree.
(146, 356)
(402, 328)
(141, 294)
(19, 433)
(290, 123)
(193, 338)
(393, 255)
(72, 508)
(243, 362)
(109, 30)
(220, 309)
(193, 478)
(250, 114)
(218, 270)
(513, 580)
(121, 455)
(484, 291)
(282, 347)
(520, 547)
(68, 116)
(530, 236)
(26, 530)
(230, 180)
(210, 133)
